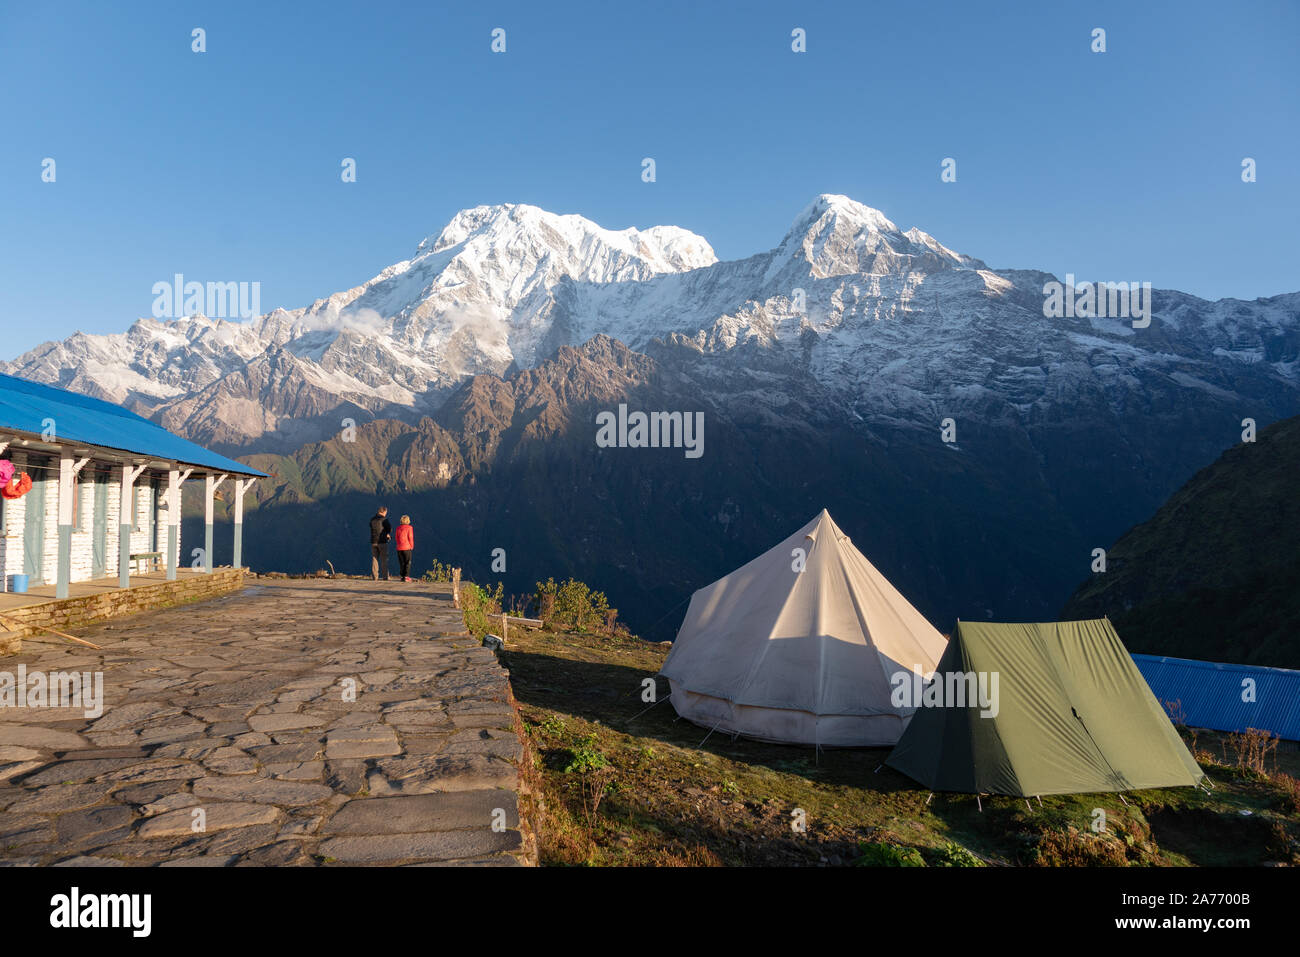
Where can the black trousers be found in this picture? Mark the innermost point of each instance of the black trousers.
(379, 562)
(404, 561)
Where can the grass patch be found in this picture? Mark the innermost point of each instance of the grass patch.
(622, 782)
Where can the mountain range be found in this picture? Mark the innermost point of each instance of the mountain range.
(830, 370)
(1213, 574)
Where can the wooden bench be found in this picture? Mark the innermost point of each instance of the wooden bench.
(148, 558)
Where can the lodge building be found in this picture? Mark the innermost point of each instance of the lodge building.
(92, 491)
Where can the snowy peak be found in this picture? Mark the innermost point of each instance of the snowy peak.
(588, 249)
(837, 235)
(504, 287)
(840, 212)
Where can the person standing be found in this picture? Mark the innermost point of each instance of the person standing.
(405, 540)
(380, 531)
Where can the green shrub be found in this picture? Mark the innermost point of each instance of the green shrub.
(438, 573)
(572, 605)
(880, 854)
(953, 855)
(585, 757)
(479, 606)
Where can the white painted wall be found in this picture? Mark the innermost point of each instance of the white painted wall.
(15, 519)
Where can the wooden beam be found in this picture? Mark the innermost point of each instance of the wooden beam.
(81, 641)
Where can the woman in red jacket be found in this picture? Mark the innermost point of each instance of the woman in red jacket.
(405, 539)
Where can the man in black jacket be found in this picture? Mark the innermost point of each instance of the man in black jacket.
(380, 532)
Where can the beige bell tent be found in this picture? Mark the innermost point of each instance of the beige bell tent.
(801, 656)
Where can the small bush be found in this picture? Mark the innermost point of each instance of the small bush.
(438, 573)
(573, 606)
(953, 855)
(880, 854)
(586, 757)
(1072, 848)
(479, 606)
(595, 777)
(1288, 801)
(1253, 749)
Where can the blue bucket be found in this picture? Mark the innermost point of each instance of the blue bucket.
(20, 584)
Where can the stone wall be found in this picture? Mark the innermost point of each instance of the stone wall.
(112, 603)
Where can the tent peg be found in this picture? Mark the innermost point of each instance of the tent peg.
(1028, 805)
(1039, 799)
(878, 767)
(1125, 803)
(927, 800)
(979, 803)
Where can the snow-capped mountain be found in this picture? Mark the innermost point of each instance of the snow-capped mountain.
(851, 315)
(474, 297)
(825, 367)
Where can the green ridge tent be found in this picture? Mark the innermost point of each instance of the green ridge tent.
(1071, 715)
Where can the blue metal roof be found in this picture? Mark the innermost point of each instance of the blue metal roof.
(1210, 694)
(24, 406)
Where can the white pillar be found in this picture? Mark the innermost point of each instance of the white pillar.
(67, 488)
(210, 483)
(174, 480)
(241, 486)
(125, 522)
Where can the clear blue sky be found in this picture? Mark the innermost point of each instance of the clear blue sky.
(225, 165)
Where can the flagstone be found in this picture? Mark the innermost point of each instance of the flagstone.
(301, 771)
(441, 845)
(40, 737)
(229, 760)
(283, 722)
(425, 812)
(208, 709)
(261, 790)
(97, 825)
(59, 797)
(217, 817)
(423, 775)
(144, 772)
(134, 715)
(69, 772)
(204, 860)
(17, 769)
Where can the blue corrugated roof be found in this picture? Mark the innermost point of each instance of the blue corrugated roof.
(1210, 694)
(24, 406)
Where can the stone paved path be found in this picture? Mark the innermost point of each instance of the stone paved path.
(241, 708)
